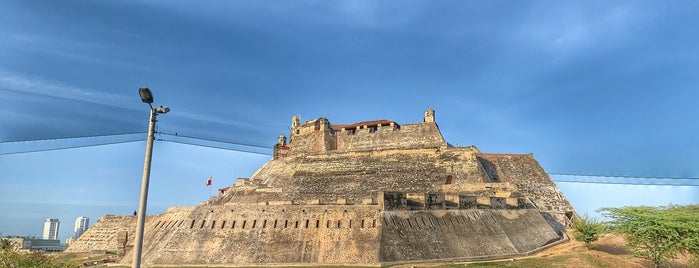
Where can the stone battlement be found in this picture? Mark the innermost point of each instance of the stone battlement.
(320, 136)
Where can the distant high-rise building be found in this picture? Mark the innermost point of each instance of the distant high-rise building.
(81, 224)
(51, 229)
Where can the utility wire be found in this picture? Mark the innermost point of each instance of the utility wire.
(214, 147)
(132, 133)
(71, 147)
(621, 176)
(220, 141)
(266, 147)
(76, 137)
(628, 183)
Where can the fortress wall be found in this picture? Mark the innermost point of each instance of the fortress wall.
(360, 235)
(310, 141)
(525, 173)
(463, 165)
(409, 136)
(102, 235)
(465, 234)
(251, 234)
(355, 175)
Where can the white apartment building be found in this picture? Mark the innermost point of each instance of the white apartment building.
(51, 229)
(81, 224)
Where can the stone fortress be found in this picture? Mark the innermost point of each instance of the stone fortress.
(369, 193)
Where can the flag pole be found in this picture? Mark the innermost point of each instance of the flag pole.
(208, 184)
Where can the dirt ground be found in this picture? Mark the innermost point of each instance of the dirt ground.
(608, 251)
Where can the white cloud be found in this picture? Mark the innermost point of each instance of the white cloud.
(570, 29)
(40, 86)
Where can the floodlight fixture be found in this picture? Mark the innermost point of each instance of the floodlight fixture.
(146, 95)
(162, 109)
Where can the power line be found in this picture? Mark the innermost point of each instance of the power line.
(627, 183)
(266, 147)
(76, 137)
(214, 140)
(132, 133)
(214, 147)
(71, 147)
(620, 176)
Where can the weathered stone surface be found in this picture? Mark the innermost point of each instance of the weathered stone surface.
(368, 193)
(454, 234)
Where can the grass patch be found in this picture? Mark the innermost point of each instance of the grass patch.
(523, 263)
(592, 260)
(313, 266)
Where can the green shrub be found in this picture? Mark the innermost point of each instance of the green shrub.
(657, 233)
(10, 257)
(587, 230)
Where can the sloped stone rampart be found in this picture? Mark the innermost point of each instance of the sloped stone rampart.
(102, 235)
(466, 234)
(525, 173)
(249, 234)
(336, 235)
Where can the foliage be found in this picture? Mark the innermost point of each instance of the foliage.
(658, 233)
(10, 257)
(587, 230)
(7, 244)
(14, 259)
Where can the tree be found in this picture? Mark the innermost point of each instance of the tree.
(7, 252)
(658, 233)
(7, 244)
(587, 230)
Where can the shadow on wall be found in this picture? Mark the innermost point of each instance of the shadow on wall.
(558, 227)
(490, 169)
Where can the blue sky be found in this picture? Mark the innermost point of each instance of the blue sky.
(589, 87)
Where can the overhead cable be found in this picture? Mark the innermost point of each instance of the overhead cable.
(214, 140)
(628, 183)
(76, 137)
(214, 147)
(267, 147)
(71, 147)
(620, 176)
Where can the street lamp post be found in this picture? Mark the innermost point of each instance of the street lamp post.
(147, 97)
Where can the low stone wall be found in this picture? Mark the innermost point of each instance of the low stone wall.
(249, 234)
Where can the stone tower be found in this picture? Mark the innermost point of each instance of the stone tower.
(429, 116)
(295, 122)
(281, 140)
